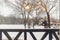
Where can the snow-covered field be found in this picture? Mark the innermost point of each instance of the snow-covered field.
(37, 34)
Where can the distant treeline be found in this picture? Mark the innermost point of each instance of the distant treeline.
(11, 20)
(14, 20)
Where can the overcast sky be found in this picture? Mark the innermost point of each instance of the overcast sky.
(5, 10)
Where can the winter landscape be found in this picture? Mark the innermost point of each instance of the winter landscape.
(29, 14)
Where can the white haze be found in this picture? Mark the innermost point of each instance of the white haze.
(6, 11)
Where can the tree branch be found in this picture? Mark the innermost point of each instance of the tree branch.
(53, 12)
(51, 8)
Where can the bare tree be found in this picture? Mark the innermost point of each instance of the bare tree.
(45, 8)
(35, 4)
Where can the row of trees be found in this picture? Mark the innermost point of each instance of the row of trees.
(10, 20)
(32, 7)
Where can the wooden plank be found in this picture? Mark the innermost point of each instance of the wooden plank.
(28, 30)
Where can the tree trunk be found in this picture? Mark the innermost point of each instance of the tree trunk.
(48, 19)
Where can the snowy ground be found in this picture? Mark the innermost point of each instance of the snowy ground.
(38, 35)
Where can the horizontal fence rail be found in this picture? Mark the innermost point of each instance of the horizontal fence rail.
(47, 31)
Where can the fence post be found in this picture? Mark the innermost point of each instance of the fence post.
(50, 36)
(25, 35)
(0, 35)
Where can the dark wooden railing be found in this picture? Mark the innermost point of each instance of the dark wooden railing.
(47, 31)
